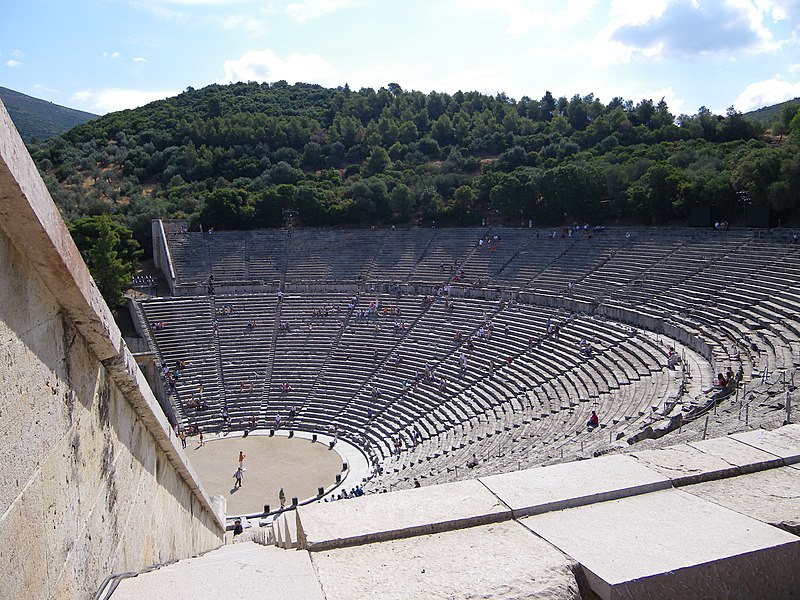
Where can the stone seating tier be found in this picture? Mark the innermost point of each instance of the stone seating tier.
(540, 399)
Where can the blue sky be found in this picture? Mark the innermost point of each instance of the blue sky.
(107, 55)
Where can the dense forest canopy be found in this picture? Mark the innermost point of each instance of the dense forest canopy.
(237, 156)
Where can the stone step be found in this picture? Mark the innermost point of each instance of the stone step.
(243, 571)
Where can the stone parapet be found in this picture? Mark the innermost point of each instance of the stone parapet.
(671, 544)
(94, 481)
(619, 517)
(567, 485)
(402, 514)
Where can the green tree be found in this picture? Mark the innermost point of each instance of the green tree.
(401, 201)
(573, 191)
(514, 196)
(464, 203)
(756, 171)
(110, 252)
(227, 208)
(378, 160)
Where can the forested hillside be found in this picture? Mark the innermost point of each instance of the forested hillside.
(235, 156)
(774, 116)
(39, 119)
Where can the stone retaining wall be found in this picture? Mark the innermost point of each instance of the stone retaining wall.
(93, 481)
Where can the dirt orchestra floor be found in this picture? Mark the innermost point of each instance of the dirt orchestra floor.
(298, 465)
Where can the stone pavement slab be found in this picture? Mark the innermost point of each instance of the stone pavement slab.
(671, 544)
(404, 513)
(783, 442)
(495, 561)
(684, 464)
(571, 484)
(747, 458)
(771, 496)
(242, 571)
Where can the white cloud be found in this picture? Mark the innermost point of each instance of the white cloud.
(231, 15)
(242, 22)
(266, 66)
(766, 93)
(112, 55)
(139, 59)
(683, 29)
(781, 10)
(114, 99)
(43, 89)
(312, 9)
(675, 103)
(523, 17)
(631, 12)
(604, 50)
(162, 11)
(14, 64)
(486, 80)
(686, 28)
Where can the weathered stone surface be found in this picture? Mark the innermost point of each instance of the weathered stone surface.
(684, 464)
(401, 514)
(746, 458)
(501, 560)
(572, 484)
(87, 454)
(771, 496)
(244, 571)
(23, 549)
(783, 442)
(671, 544)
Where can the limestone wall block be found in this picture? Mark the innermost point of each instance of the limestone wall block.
(23, 550)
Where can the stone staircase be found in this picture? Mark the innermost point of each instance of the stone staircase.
(241, 571)
(284, 528)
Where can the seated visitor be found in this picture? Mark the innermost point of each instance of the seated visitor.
(673, 358)
(718, 385)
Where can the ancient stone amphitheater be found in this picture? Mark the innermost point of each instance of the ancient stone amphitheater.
(370, 328)
(374, 336)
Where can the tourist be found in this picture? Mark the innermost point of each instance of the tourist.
(282, 497)
(718, 385)
(673, 358)
(594, 421)
(238, 477)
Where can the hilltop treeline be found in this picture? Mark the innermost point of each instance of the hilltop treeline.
(236, 156)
